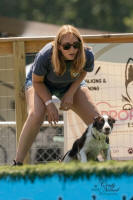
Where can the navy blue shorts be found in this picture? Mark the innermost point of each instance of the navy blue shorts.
(57, 92)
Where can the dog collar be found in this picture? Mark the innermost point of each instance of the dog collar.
(96, 137)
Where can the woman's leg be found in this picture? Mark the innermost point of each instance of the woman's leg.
(36, 114)
(84, 106)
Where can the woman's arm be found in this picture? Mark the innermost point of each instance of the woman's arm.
(45, 95)
(76, 83)
(40, 87)
(67, 99)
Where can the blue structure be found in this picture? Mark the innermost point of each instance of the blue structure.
(58, 186)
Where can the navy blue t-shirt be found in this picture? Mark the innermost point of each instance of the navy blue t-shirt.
(42, 66)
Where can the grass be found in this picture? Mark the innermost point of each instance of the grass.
(71, 171)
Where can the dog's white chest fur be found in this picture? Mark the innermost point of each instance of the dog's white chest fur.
(94, 143)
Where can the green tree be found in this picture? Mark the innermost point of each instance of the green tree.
(109, 15)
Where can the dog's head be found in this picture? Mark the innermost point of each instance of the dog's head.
(104, 124)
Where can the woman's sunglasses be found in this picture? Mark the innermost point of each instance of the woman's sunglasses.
(67, 46)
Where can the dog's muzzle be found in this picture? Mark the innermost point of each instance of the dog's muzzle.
(107, 130)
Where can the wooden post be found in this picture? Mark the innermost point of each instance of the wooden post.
(19, 66)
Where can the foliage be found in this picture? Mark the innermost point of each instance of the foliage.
(109, 15)
(71, 171)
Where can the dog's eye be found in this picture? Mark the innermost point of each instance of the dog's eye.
(102, 121)
(110, 121)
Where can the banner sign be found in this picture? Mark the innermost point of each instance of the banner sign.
(111, 86)
(112, 89)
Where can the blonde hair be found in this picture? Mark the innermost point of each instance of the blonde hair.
(57, 58)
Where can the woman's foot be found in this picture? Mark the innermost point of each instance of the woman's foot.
(17, 163)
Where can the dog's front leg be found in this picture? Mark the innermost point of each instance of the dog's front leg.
(107, 154)
(83, 156)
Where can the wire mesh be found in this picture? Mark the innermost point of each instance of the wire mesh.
(111, 85)
(111, 82)
(52, 137)
(7, 110)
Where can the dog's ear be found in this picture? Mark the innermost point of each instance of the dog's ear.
(96, 119)
(112, 119)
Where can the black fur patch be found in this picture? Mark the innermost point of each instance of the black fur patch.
(78, 144)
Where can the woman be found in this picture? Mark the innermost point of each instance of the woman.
(59, 69)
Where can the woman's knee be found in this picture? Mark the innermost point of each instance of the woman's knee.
(36, 116)
(84, 106)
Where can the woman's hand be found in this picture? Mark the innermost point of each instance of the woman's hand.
(52, 112)
(66, 101)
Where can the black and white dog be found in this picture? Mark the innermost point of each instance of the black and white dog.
(94, 141)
